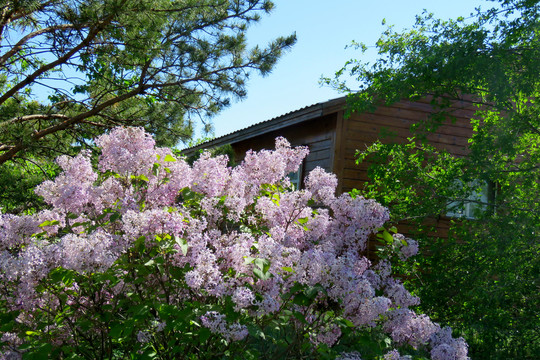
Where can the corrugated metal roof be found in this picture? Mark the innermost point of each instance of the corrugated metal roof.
(287, 119)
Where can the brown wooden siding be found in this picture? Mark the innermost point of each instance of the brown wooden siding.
(339, 149)
(333, 140)
(317, 134)
(392, 125)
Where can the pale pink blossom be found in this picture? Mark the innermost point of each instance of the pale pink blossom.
(322, 185)
(405, 326)
(217, 235)
(394, 355)
(217, 324)
(445, 347)
(126, 151)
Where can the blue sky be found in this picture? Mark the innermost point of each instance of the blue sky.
(323, 29)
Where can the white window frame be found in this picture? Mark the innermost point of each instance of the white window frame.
(295, 177)
(476, 201)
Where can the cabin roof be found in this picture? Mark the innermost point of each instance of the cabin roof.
(291, 118)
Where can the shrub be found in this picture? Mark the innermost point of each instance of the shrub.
(148, 257)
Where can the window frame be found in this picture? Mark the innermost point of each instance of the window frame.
(297, 182)
(477, 201)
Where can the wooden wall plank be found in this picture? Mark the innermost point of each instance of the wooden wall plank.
(377, 121)
(337, 155)
(333, 140)
(317, 134)
(361, 130)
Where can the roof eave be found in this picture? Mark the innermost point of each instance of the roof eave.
(280, 122)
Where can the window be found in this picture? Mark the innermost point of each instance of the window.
(296, 177)
(476, 202)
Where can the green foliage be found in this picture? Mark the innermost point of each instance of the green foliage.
(17, 181)
(157, 64)
(226, 149)
(112, 314)
(482, 280)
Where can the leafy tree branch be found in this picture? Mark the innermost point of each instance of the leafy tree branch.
(481, 277)
(102, 53)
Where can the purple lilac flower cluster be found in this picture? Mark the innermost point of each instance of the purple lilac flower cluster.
(407, 247)
(394, 355)
(217, 324)
(248, 238)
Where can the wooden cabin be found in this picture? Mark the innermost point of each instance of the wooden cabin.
(333, 139)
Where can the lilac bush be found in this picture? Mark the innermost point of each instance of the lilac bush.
(146, 256)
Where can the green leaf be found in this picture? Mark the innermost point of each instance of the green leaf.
(182, 243)
(116, 331)
(42, 351)
(347, 323)
(262, 275)
(301, 299)
(140, 242)
(115, 217)
(301, 317)
(312, 291)
(204, 334)
(262, 264)
(169, 158)
(256, 332)
(155, 168)
(140, 177)
(49, 223)
(387, 237)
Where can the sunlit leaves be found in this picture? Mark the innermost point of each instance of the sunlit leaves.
(489, 59)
